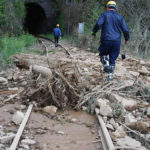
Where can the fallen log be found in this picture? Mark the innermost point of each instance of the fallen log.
(144, 73)
(42, 70)
(8, 92)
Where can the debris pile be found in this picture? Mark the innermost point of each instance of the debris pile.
(77, 81)
(6, 139)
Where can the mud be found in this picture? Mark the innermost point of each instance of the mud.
(55, 132)
(78, 135)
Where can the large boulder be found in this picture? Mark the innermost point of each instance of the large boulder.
(127, 103)
(3, 80)
(50, 110)
(129, 142)
(105, 109)
(130, 118)
(18, 117)
(119, 133)
(7, 139)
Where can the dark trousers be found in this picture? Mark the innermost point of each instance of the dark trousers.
(56, 40)
(110, 48)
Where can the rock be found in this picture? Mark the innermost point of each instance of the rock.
(110, 127)
(18, 117)
(133, 73)
(61, 132)
(25, 146)
(73, 120)
(138, 118)
(7, 139)
(3, 80)
(144, 69)
(86, 69)
(119, 133)
(13, 89)
(1, 127)
(2, 133)
(28, 142)
(145, 103)
(142, 62)
(15, 77)
(40, 131)
(120, 71)
(148, 79)
(148, 137)
(9, 78)
(130, 118)
(21, 107)
(101, 102)
(127, 141)
(1, 98)
(105, 119)
(84, 108)
(6, 110)
(148, 112)
(113, 123)
(98, 111)
(138, 114)
(24, 83)
(140, 126)
(106, 110)
(128, 104)
(50, 109)
(21, 77)
(2, 146)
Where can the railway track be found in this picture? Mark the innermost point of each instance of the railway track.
(49, 39)
(106, 140)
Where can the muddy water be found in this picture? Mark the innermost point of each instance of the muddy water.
(79, 135)
(57, 132)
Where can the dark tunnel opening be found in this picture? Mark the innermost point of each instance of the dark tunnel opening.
(35, 20)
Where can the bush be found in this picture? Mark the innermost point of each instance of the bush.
(11, 16)
(117, 110)
(12, 45)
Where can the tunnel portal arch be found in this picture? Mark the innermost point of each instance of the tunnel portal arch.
(40, 17)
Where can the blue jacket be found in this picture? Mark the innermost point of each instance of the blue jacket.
(111, 24)
(57, 32)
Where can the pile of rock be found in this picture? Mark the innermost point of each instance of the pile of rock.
(5, 138)
(129, 120)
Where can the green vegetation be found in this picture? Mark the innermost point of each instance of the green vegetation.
(48, 35)
(136, 14)
(14, 44)
(117, 110)
(11, 16)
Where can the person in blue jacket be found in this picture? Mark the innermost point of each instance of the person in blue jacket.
(111, 25)
(57, 34)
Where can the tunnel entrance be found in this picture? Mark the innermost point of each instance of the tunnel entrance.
(35, 21)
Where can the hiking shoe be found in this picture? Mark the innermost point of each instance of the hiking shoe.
(106, 69)
(111, 76)
(105, 62)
